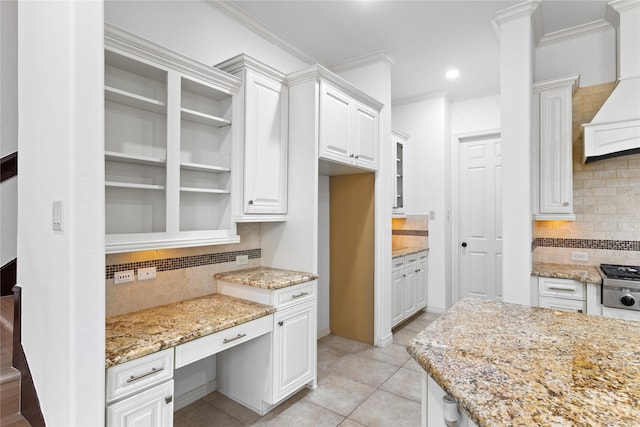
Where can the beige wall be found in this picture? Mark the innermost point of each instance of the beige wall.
(606, 197)
(179, 284)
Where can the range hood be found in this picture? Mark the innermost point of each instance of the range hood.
(615, 129)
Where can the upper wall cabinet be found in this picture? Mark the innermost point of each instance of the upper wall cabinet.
(168, 148)
(348, 125)
(260, 124)
(398, 140)
(553, 167)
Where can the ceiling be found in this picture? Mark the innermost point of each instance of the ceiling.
(424, 38)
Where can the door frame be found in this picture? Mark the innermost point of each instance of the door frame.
(455, 202)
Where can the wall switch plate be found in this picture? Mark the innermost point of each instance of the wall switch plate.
(242, 260)
(432, 215)
(57, 215)
(146, 273)
(123, 276)
(579, 256)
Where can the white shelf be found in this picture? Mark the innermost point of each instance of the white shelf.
(133, 100)
(203, 168)
(204, 190)
(205, 119)
(132, 158)
(133, 185)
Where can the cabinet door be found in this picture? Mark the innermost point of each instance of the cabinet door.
(294, 348)
(397, 292)
(335, 125)
(152, 408)
(421, 282)
(265, 153)
(365, 136)
(411, 277)
(556, 162)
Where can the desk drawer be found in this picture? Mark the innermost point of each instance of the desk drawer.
(211, 344)
(294, 294)
(138, 374)
(563, 304)
(397, 263)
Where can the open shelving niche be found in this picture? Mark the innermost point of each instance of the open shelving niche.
(168, 144)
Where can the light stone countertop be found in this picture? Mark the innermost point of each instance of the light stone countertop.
(266, 277)
(398, 252)
(515, 365)
(585, 274)
(133, 335)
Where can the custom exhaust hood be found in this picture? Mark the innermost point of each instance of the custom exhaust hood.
(615, 129)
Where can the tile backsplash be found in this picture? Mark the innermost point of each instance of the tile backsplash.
(606, 199)
(410, 231)
(182, 273)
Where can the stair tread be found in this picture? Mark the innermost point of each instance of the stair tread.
(14, 420)
(8, 374)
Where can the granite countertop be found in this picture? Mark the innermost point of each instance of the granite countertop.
(513, 365)
(266, 277)
(133, 335)
(398, 252)
(581, 273)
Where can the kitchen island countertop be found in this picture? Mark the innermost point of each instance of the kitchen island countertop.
(581, 273)
(133, 335)
(508, 364)
(266, 277)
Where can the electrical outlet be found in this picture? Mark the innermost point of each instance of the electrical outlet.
(242, 259)
(146, 273)
(123, 276)
(579, 256)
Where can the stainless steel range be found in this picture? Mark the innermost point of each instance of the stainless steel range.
(621, 286)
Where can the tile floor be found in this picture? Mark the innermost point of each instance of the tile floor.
(358, 385)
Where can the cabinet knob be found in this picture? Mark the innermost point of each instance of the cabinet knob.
(351, 155)
(357, 156)
(565, 204)
(250, 202)
(280, 323)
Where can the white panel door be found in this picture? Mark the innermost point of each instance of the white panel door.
(365, 145)
(480, 250)
(335, 124)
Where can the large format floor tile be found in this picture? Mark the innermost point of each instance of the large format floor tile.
(340, 394)
(384, 409)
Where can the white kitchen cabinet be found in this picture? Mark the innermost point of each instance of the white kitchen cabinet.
(409, 286)
(553, 167)
(294, 361)
(140, 392)
(152, 408)
(348, 128)
(261, 126)
(168, 148)
(562, 294)
(398, 141)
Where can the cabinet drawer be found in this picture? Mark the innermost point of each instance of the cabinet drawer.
(422, 256)
(294, 294)
(397, 263)
(410, 259)
(211, 344)
(562, 288)
(137, 374)
(563, 304)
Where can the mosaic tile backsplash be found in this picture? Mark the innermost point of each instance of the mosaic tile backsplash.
(410, 231)
(606, 199)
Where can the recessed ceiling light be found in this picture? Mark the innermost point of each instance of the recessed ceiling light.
(452, 74)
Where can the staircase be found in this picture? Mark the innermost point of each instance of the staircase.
(10, 377)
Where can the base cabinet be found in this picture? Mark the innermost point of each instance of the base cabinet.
(409, 286)
(152, 408)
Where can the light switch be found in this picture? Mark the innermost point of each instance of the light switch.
(57, 215)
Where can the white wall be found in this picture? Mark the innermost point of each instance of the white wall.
(324, 268)
(8, 126)
(196, 29)
(61, 145)
(427, 182)
(593, 56)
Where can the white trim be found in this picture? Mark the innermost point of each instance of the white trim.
(323, 333)
(624, 5)
(421, 97)
(521, 10)
(573, 81)
(194, 395)
(244, 19)
(575, 32)
(243, 61)
(371, 58)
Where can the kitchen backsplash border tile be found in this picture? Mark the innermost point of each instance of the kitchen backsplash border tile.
(615, 245)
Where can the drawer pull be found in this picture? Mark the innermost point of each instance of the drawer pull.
(168, 399)
(237, 337)
(397, 265)
(418, 271)
(562, 288)
(301, 294)
(134, 378)
(280, 323)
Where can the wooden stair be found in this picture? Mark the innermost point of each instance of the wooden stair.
(10, 378)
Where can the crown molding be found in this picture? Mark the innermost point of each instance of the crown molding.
(400, 133)
(624, 5)
(229, 9)
(372, 58)
(421, 97)
(572, 81)
(521, 10)
(575, 32)
(243, 62)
